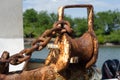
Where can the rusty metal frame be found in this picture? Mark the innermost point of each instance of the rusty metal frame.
(89, 11)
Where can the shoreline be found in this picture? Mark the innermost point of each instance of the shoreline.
(28, 41)
(110, 45)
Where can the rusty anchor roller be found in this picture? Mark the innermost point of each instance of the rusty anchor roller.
(84, 50)
(66, 53)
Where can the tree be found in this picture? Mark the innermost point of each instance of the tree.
(30, 19)
(80, 26)
(106, 24)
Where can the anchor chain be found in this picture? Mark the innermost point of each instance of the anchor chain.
(38, 44)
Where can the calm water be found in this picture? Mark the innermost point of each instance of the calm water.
(105, 53)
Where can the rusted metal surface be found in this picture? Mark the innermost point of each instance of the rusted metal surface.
(59, 70)
(48, 73)
(69, 58)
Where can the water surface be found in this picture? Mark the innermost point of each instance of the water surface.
(105, 53)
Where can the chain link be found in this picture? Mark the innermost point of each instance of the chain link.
(23, 55)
